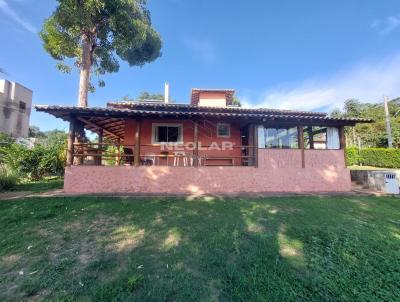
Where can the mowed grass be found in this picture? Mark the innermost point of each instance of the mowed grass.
(206, 249)
(50, 183)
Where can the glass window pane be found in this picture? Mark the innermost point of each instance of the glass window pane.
(223, 129)
(173, 134)
(282, 138)
(315, 137)
(162, 134)
(167, 134)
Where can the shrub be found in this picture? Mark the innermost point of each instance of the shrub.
(8, 178)
(43, 159)
(377, 157)
(352, 156)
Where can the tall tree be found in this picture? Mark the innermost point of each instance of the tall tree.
(94, 32)
(374, 134)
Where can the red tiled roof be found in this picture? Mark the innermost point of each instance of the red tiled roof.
(189, 107)
(188, 111)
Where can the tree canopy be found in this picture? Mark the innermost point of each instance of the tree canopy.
(149, 96)
(236, 101)
(145, 95)
(374, 134)
(95, 32)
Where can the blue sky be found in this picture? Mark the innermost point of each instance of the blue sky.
(309, 54)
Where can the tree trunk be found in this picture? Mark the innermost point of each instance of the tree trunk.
(86, 64)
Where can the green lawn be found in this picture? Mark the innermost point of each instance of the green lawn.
(168, 249)
(44, 185)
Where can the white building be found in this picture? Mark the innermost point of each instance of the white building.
(15, 108)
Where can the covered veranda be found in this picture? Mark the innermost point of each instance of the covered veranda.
(126, 138)
(125, 135)
(272, 150)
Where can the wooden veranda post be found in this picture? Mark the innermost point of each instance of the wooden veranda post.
(196, 144)
(137, 143)
(300, 133)
(342, 137)
(70, 142)
(100, 140)
(251, 145)
(310, 137)
(80, 136)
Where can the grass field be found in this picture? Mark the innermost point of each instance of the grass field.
(44, 185)
(233, 249)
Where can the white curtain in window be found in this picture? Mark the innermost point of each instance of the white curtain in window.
(332, 138)
(261, 137)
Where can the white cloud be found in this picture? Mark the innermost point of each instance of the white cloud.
(367, 82)
(204, 49)
(387, 25)
(12, 14)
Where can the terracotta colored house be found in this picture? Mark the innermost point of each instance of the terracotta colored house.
(208, 146)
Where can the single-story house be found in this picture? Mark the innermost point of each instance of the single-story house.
(211, 145)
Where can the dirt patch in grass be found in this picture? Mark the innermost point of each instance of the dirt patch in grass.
(10, 259)
(125, 239)
(14, 195)
(88, 252)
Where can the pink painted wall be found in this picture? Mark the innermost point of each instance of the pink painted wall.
(212, 99)
(278, 171)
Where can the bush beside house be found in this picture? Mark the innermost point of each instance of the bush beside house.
(8, 178)
(18, 161)
(377, 157)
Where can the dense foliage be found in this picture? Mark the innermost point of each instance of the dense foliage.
(145, 95)
(377, 157)
(371, 135)
(150, 96)
(46, 157)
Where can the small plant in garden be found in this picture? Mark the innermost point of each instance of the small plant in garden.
(134, 282)
(8, 178)
(236, 241)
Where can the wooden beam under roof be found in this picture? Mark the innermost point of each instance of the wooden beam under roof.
(106, 121)
(98, 127)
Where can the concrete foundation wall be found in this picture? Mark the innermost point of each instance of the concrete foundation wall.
(372, 179)
(278, 171)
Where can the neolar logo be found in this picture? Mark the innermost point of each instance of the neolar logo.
(190, 146)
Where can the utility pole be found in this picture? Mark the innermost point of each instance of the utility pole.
(388, 127)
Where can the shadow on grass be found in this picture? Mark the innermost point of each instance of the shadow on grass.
(206, 249)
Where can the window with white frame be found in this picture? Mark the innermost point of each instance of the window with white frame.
(223, 130)
(167, 133)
